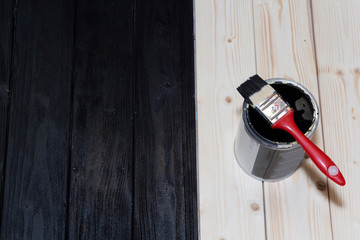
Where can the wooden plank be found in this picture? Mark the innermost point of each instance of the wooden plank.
(296, 208)
(102, 151)
(6, 40)
(36, 170)
(165, 183)
(231, 202)
(336, 31)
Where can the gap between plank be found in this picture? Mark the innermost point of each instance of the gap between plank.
(264, 207)
(8, 106)
(198, 227)
(70, 137)
(262, 182)
(133, 117)
(321, 119)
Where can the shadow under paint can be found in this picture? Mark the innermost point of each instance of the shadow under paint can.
(271, 154)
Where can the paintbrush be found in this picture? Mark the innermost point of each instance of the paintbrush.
(261, 96)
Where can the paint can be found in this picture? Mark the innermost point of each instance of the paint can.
(270, 154)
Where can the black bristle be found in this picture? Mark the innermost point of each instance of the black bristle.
(251, 86)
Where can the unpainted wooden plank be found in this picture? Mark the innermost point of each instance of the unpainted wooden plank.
(297, 207)
(231, 202)
(165, 183)
(336, 32)
(6, 40)
(36, 167)
(102, 149)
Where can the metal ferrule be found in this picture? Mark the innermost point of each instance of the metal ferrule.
(273, 107)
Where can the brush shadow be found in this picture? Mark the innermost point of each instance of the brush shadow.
(321, 184)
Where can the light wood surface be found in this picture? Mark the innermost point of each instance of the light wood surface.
(315, 43)
(284, 48)
(231, 203)
(336, 31)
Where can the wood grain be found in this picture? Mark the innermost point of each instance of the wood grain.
(165, 186)
(336, 28)
(231, 202)
(102, 122)
(36, 169)
(6, 40)
(296, 208)
(102, 145)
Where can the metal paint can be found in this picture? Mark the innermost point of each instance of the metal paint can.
(272, 155)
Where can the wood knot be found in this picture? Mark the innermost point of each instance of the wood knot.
(320, 186)
(357, 70)
(228, 99)
(168, 84)
(4, 92)
(340, 73)
(229, 40)
(254, 206)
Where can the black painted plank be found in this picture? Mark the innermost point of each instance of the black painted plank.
(101, 176)
(6, 36)
(36, 166)
(165, 185)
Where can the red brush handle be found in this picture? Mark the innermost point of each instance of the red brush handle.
(321, 160)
